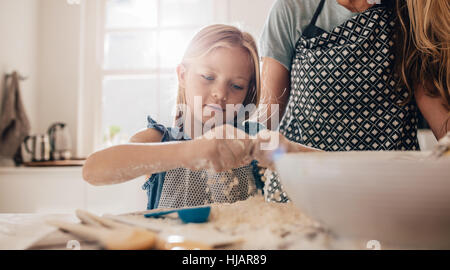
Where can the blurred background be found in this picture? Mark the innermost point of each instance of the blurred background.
(90, 72)
(96, 68)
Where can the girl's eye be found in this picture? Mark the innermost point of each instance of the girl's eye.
(237, 87)
(208, 78)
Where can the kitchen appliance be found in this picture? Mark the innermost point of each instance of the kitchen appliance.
(400, 199)
(38, 146)
(60, 141)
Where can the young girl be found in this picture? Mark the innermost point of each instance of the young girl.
(219, 68)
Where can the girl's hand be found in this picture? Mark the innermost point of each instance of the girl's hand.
(270, 145)
(222, 148)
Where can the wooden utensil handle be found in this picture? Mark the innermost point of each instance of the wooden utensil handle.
(78, 229)
(87, 219)
(100, 221)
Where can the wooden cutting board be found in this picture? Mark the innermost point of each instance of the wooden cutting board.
(55, 163)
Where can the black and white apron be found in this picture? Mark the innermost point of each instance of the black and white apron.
(343, 90)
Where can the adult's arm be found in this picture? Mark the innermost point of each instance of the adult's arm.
(275, 90)
(277, 47)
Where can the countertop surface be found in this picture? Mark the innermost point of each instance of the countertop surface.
(251, 224)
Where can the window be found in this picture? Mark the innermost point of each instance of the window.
(143, 41)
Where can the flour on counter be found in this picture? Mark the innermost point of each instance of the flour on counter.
(268, 225)
(249, 225)
(258, 224)
(20, 231)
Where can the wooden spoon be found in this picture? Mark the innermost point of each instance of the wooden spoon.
(171, 243)
(96, 221)
(116, 239)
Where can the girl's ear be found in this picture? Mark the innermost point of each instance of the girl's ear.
(181, 72)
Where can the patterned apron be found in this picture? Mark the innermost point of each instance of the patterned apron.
(343, 92)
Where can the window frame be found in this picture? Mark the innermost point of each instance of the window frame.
(93, 33)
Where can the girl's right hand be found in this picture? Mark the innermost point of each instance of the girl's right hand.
(221, 149)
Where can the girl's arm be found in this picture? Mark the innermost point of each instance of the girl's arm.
(124, 162)
(432, 108)
(146, 136)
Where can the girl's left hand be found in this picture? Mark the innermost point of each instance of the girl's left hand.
(269, 145)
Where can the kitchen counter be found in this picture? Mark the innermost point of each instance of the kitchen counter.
(34, 170)
(45, 190)
(250, 224)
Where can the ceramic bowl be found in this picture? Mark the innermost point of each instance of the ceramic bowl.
(401, 199)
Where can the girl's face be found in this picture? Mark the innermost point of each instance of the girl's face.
(219, 78)
(356, 5)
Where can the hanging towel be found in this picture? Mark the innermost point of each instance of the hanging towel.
(14, 124)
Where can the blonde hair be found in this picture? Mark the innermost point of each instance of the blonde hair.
(424, 46)
(220, 35)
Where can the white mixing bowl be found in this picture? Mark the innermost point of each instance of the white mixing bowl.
(401, 199)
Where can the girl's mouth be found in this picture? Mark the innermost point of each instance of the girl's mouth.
(215, 107)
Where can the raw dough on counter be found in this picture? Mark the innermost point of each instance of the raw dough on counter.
(253, 224)
(266, 225)
(258, 224)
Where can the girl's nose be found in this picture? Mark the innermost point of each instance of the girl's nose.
(220, 95)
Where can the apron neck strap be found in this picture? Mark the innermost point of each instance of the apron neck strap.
(317, 13)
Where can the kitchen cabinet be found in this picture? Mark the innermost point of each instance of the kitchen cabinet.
(62, 190)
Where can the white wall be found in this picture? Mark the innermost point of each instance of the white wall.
(40, 39)
(58, 60)
(18, 50)
(250, 14)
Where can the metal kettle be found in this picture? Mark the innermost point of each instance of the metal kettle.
(60, 142)
(39, 148)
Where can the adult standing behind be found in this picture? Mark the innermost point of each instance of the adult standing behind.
(352, 75)
(332, 67)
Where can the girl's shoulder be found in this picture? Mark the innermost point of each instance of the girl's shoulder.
(175, 134)
(168, 133)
